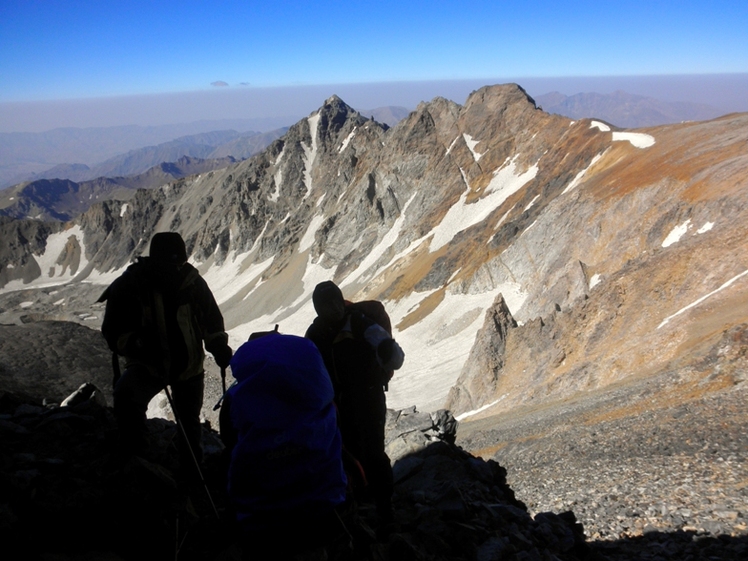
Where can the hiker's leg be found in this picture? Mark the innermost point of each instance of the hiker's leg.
(188, 400)
(370, 424)
(382, 480)
(132, 393)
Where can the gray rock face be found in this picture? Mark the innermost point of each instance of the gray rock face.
(51, 360)
(486, 360)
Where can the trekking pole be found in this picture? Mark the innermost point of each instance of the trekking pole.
(192, 452)
(223, 383)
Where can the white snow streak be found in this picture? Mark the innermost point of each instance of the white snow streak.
(385, 243)
(467, 414)
(307, 240)
(705, 228)
(700, 300)
(461, 215)
(471, 144)
(123, 210)
(310, 152)
(598, 125)
(347, 140)
(277, 176)
(532, 202)
(578, 179)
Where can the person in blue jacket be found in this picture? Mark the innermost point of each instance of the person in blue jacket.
(285, 479)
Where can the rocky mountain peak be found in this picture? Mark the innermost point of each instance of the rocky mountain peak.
(575, 223)
(500, 96)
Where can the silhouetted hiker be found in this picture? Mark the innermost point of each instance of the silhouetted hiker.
(360, 355)
(286, 478)
(159, 313)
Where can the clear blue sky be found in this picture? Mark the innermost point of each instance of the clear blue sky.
(64, 49)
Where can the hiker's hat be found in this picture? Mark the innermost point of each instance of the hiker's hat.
(328, 301)
(168, 247)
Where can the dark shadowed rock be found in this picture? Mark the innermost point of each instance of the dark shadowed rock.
(60, 470)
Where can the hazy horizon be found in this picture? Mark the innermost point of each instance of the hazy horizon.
(73, 64)
(283, 106)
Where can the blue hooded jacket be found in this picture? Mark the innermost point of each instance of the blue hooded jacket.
(288, 452)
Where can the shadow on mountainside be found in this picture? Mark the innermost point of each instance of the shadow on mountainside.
(656, 546)
(67, 495)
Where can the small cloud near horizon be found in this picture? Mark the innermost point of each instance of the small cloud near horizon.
(244, 84)
(219, 84)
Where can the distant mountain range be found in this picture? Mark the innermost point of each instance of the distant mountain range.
(207, 145)
(85, 154)
(63, 199)
(624, 109)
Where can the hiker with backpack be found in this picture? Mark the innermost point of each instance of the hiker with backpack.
(159, 314)
(286, 480)
(360, 355)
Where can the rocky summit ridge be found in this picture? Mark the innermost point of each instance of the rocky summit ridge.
(617, 253)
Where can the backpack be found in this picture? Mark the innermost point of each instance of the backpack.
(374, 310)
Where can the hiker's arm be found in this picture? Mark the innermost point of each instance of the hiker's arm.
(214, 335)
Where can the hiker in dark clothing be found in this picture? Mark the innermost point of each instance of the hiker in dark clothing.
(159, 313)
(360, 356)
(286, 480)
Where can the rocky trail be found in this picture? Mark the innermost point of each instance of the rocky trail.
(665, 481)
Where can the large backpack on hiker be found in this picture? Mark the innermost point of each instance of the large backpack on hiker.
(287, 451)
(162, 321)
(375, 311)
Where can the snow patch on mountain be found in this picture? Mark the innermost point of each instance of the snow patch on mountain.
(307, 240)
(56, 266)
(233, 274)
(387, 241)
(293, 318)
(676, 234)
(437, 347)
(471, 144)
(637, 139)
(347, 140)
(310, 152)
(461, 216)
